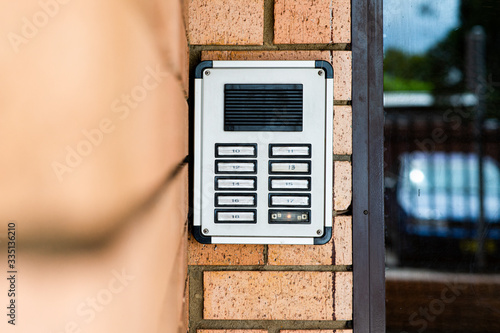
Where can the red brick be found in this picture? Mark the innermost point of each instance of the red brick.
(342, 68)
(340, 60)
(336, 252)
(302, 22)
(266, 55)
(268, 295)
(301, 254)
(342, 130)
(224, 254)
(342, 235)
(341, 21)
(343, 296)
(342, 185)
(231, 331)
(317, 21)
(226, 22)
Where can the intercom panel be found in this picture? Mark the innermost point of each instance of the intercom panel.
(263, 152)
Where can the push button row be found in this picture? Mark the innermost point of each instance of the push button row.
(302, 167)
(233, 201)
(291, 168)
(233, 182)
(250, 150)
(275, 216)
(249, 216)
(249, 199)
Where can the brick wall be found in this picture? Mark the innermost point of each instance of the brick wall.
(278, 288)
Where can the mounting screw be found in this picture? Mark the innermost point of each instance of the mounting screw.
(205, 231)
(365, 212)
(320, 73)
(319, 232)
(207, 73)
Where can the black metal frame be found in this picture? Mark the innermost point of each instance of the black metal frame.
(367, 161)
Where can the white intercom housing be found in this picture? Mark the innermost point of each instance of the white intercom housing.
(263, 141)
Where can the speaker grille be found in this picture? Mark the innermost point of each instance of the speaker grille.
(263, 107)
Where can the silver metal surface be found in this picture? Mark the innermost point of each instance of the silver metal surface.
(265, 64)
(289, 167)
(328, 192)
(289, 200)
(263, 240)
(235, 167)
(235, 216)
(236, 151)
(236, 200)
(290, 151)
(235, 183)
(317, 132)
(290, 184)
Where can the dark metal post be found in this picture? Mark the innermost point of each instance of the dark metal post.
(367, 162)
(476, 82)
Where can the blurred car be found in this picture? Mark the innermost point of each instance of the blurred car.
(437, 200)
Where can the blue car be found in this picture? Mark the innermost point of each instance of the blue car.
(437, 195)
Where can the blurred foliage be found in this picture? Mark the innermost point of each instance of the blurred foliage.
(396, 83)
(442, 69)
(451, 52)
(405, 72)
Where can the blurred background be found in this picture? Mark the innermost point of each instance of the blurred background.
(442, 165)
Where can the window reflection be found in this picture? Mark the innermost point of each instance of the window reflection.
(442, 165)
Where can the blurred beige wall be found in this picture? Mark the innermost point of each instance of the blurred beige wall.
(93, 132)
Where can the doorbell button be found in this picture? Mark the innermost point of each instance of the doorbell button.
(235, 200)
(235, 216)
(302, 167)
(290, 151)
(290, 200)
(290, 184)
(235, 167)
(235, 183)
(230, 150)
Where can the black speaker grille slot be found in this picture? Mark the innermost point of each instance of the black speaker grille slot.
(263, 107)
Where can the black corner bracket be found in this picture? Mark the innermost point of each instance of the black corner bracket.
(326, 66)
(325, 238)
(198, 73)
(200, 237)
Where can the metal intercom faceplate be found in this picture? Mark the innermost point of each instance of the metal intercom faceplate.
(263, 152)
